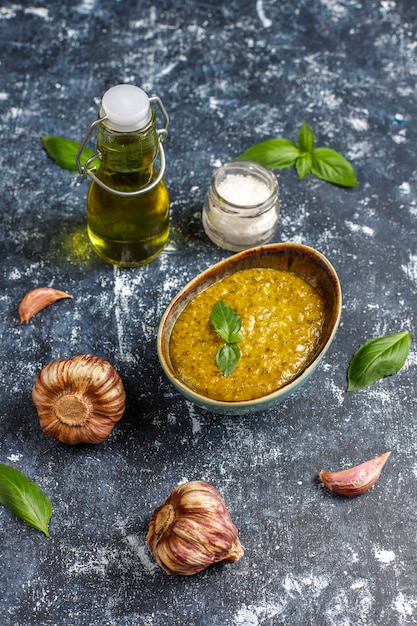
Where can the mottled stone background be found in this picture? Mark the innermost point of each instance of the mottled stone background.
(230, 74)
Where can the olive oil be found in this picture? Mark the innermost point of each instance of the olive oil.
(128, 231)
(128, 200)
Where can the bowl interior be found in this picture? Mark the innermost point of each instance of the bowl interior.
(302, 260)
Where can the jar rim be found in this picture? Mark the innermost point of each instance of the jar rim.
(245, 168)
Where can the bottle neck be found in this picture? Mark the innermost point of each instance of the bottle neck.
(131, 152)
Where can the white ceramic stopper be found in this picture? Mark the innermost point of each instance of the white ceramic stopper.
(127, 108)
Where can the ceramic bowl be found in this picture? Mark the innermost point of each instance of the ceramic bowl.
(300, 259)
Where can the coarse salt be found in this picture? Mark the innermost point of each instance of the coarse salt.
(243, 190)
(241, 206)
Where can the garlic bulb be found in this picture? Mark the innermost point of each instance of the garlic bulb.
(79, 399)
(193, 530)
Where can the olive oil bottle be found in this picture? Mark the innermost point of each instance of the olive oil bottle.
(128, 200)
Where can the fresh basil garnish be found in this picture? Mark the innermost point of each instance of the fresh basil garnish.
(227, 324)
(280, 153)
(228, 357)
(25, 498)
(379, 357)
(64, 151)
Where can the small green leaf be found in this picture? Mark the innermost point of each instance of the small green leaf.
(64, 151)
(226, 322)
(235, 337)
(305, 138)
(228, 357)
(379, 357)
(332, 167)
(303, 165)
(276, 153)
(25, 498)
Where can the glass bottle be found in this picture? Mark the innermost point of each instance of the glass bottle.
(127, 201)
(241, 207)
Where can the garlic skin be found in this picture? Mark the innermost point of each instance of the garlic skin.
(79, 399)
(37, 299)
(193, 530)
(355, 480)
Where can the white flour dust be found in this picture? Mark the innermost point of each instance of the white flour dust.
(360, 228)
(336, 8)
(295, 586)
(39, 11)
(95, 562)
(85, 6)
(14, 457)
(265, 21)
(255, 615)
(125, 289)
(410, 269)
(405, 607)
(404, 188)
(384, 556)
(141, 551)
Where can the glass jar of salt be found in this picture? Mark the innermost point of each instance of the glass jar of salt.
(242, 205)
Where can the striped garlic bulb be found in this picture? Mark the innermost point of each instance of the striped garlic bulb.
(193, 530)
(79, 399)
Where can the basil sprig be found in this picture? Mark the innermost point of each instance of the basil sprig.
(64, 151)
(25, 498)
(379, 357)
(227, 324)
(325, 163)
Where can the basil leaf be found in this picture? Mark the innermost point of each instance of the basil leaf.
(303, 165)
(235, 337)
(305, 138)
(228, 357)
(279, 153)
(379, 357)
(332, 167)
(25, 498)
(64, 151)
(226, 322)
(276, 153)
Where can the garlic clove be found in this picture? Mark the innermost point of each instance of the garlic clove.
(36, 300)
(193, 530)
(79, 399)
(355, 480)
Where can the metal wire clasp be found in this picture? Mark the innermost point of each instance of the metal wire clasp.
(85, 169)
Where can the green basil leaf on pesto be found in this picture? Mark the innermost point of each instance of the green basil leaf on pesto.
(24, 498)
(377, 358)
(64, 151)
(226, 322)
(228, 357)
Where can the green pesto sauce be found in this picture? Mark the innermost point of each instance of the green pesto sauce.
(282, 320)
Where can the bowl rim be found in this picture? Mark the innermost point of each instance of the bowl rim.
(214, 270)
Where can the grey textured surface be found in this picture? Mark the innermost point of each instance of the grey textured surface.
(230, 74)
